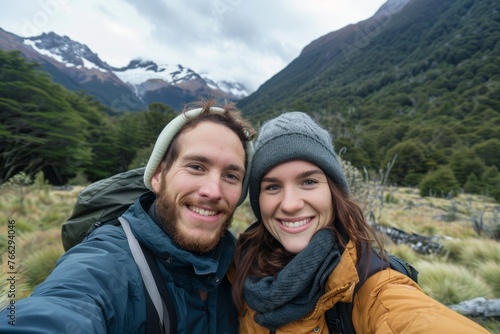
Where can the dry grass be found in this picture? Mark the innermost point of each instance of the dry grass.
(435, 216)
(41, 209)
(450, 283)
(468, 267)
(35, 257)
(37, 237)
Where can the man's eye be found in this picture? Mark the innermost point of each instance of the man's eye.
(195, 167)
(232, 177)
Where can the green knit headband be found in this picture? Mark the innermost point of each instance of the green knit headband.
(169, 132)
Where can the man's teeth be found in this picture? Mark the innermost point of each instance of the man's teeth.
(295, 224)
(202, 212)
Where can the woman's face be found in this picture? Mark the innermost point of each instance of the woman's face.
(295, 202)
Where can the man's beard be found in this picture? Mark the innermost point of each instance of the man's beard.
(168, 214)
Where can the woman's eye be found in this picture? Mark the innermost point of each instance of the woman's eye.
(310, 182)
(272, 187)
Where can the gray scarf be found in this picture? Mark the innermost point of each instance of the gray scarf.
(294, 292)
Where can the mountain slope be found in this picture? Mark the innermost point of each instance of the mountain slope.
(74, 66)
(421, 83)
(424, 35)
(130, 88)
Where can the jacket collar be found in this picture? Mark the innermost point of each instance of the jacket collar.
(212, 267)
(341, 282)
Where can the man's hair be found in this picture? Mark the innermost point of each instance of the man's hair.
(230, 118)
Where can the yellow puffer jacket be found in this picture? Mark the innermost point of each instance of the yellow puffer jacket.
(388, 302)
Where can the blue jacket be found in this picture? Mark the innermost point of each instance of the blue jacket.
(96, 286)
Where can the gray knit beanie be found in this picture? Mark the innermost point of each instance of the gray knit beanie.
(292, 136)
(167, 135)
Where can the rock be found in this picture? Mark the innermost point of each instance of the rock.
(419, 243)
(478, 307)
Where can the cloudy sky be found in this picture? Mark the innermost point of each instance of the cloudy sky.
(247, 41)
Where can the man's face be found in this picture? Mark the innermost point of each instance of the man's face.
(197, 196)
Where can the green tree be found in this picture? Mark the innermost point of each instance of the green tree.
(410, 163)
(41, 131)
(136, 131)
(489, 152)
(491, 181)
(355, 155)
(130, 134)
(440, 182)
(154, 120)
(142, 157)
(465, 162)
(473, 185)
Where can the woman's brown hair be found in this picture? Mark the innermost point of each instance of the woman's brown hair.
(259, 254)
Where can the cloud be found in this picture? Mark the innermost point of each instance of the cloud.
(239, 40)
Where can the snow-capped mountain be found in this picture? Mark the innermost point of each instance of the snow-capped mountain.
(64, 50)
(133, 87)
(146, 75)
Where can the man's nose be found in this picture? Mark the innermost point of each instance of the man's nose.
(211, 188)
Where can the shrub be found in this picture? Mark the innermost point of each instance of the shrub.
(490, 272)
(440, 182)
(465, 163)
(40, 181)
(472, 252)
(37, 253)
(473, 185)
(451, 284)
(354, 178)
(411, 160)
(80, 179)
(40, 264)
(491, 181)
(405, 252)
(21, 182)
(391, 199)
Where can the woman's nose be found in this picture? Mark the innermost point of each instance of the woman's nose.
(291, 201)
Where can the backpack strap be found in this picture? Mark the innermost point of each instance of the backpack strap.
(339, 317)
(171, 316)
(151, 277)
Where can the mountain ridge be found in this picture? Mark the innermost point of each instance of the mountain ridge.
(76, 67)
(421, 84)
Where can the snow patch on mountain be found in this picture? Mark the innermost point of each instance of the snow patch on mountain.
(66, 51)
(138, 74)
(43, 51)
(90, 65)
(140, 71)
(233, 88)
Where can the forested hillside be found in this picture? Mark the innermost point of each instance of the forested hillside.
(44, 127)
(422, 84)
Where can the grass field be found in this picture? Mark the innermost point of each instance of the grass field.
(468, 266)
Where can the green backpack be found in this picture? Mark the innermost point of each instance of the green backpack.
(105, 201)
(102, 201)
